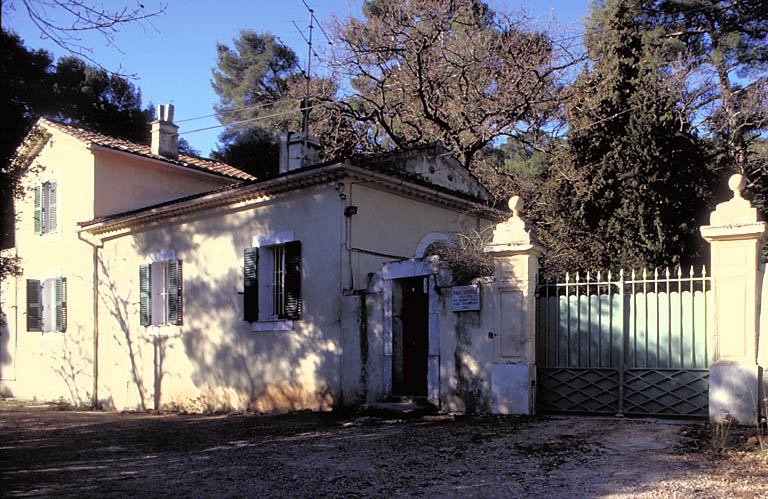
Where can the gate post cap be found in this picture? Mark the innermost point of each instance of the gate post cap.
(737, 183)
(516, 205)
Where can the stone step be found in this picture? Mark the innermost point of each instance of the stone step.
(407, 409)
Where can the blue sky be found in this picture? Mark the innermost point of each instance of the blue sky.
(172, 57)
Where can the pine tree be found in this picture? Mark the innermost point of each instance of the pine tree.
(631, 187)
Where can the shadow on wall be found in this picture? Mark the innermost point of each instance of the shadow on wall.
(6, 366)
(229, 365)
(71, 364)
(470, 386)
(113, 301)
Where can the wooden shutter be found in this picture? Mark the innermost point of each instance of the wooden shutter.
(50, 209)
(38, 209)
(34, 306)
(61, 304)
(175, 306)
(145, 296)
(293, 280)
(251, 284)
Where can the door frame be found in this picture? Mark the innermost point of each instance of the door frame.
(400, 270)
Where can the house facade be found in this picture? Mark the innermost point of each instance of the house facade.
(155, 280)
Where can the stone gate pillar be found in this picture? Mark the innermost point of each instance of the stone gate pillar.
(515, 253)
(736, 238)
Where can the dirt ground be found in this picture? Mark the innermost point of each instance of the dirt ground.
(63, 453)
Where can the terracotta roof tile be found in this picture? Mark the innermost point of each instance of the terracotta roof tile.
(192, 162)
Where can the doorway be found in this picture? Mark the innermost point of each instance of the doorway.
(410, 339)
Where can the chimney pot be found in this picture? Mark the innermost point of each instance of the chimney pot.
(293, 154)
(165, 134)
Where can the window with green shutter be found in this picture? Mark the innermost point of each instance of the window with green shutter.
(251, 284)
(34, 305)
(60, 294)
(47, 305)
(145, 297)
(160, 293)
(175, 307)
(272, 290)
(46, 216)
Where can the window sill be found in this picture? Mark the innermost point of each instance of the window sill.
(51, 335)
(49, 236)
(280, 325)
(165, 330)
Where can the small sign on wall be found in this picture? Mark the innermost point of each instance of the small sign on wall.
(466, 298)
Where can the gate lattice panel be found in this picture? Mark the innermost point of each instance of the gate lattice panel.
(636, 346)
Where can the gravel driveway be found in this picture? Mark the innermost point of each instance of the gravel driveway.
(46, 452)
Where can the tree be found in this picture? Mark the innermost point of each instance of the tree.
(262, 90)
(719, 49)
(449, 70)
(252, 77)
(253, 150)
(25, 88)
(631, 185)
(94, 98)
(73, 92)
(63, 21)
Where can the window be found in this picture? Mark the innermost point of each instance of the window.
(45, 208)
(272, 288)
(160, 299)
(47, 305)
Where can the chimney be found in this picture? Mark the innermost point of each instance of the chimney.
(165, 135)
(298, 150)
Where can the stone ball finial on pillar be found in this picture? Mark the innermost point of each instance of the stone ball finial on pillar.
(737, 183)
(516, 205)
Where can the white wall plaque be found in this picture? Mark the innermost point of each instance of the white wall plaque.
(466, 298)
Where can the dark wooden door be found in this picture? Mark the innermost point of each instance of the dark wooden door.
(415, 319)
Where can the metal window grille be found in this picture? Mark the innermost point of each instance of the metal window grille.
(278, 281)
(160, 286)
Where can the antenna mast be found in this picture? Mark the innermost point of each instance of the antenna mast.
(305, 110)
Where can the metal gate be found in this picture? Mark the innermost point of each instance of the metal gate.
(636, 346)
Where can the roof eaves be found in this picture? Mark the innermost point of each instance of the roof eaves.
(248, 191)
(233, 194)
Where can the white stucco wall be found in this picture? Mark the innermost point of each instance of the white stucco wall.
(50, 366)
(215, 359)
(466, 354)
(459, 343)
(126, 181)
(394, 228)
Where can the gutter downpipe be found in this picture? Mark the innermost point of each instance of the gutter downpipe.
(95, 281)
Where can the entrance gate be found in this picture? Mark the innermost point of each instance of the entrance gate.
(636, 346)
